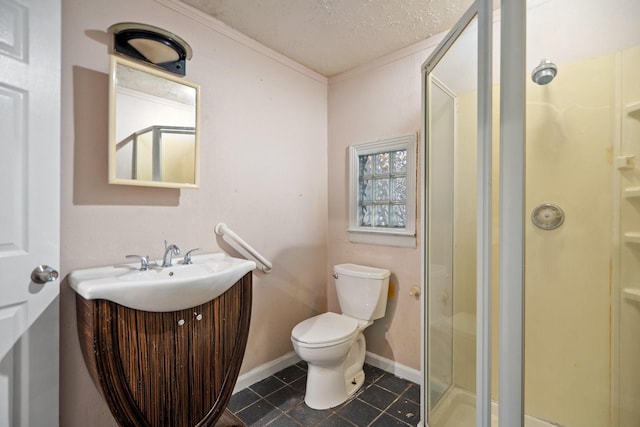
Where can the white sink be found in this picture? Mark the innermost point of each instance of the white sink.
(172, 288)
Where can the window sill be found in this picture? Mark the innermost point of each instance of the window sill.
(384, 238)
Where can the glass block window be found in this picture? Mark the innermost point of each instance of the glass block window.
(383, 191)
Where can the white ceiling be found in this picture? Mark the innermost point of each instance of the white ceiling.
(331, 36)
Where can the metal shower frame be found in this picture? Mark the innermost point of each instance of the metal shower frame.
(511, 211)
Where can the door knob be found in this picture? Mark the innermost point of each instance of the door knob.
(43, 274)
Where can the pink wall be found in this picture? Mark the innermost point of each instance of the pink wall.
(263, 172)
(377, 100)
(269, 169)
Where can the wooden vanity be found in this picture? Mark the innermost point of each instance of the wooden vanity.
(174, 368)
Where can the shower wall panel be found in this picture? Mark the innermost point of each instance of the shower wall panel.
(568, 270)
(629, 338)
(567, 278)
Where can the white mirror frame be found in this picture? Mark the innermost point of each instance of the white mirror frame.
(113, 179)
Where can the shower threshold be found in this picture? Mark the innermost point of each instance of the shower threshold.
(457, 409)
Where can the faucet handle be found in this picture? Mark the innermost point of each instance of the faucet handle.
(144, 261)
(187, 256)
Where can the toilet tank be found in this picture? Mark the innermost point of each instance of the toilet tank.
(362, 291)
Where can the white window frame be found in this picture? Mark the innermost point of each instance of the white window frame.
(400, 237)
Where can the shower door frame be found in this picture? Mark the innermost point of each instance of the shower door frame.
(512, 176)
(512, 212)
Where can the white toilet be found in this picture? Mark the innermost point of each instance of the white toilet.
(333, 344)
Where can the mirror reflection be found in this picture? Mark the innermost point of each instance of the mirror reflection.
(154, 138)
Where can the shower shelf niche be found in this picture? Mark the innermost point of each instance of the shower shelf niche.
(632, 192)
(632, 237)
(631, 294)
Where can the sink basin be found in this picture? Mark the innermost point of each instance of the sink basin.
(172, 288)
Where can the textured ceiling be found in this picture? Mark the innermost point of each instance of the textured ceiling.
(331, 36)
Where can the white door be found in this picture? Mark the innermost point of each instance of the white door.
(29, 207)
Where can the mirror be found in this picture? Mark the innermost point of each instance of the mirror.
(153, 127)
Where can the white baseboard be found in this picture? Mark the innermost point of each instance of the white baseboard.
(265, 371)
(394, 368)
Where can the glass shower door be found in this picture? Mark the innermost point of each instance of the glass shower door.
(569, 250)
(451, 99)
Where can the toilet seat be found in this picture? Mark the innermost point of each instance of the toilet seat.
(325, 330)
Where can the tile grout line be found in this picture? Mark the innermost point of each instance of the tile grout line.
(295, 373)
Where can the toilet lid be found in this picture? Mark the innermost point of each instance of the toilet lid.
(325, 328)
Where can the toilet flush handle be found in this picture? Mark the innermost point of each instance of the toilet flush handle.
(335, 275)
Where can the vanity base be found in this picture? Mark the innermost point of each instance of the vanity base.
(173, 369)
(229, 420)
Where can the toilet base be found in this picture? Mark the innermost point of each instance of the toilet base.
(353, 384)
(330, 386)
(336, 388)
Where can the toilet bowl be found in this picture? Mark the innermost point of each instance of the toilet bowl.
(334, 348)
(333, 344)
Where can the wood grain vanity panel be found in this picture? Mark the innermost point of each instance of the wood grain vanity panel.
(154, 371)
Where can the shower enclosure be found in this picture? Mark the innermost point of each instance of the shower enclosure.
(532, 217)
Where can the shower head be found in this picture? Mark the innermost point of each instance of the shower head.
(544, 72)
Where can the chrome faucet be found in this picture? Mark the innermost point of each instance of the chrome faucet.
(187, 257)
(168, 251)
(144, 261)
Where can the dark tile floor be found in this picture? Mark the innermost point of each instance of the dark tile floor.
(278, 401)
